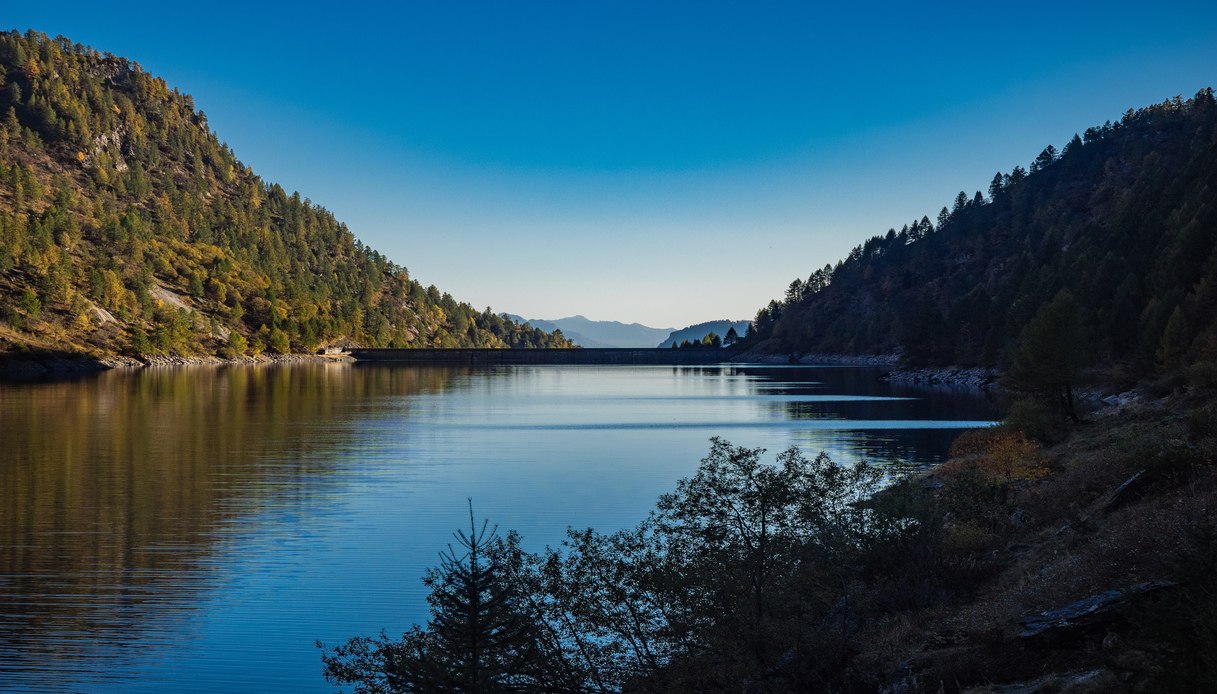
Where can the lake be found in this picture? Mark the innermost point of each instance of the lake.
(197, 529)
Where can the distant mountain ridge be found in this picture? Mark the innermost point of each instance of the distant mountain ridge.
(586, 332)
(594, 334)
(695, 333)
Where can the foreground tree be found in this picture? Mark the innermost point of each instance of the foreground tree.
(481, 636)
(731, 580)
(1051, 354)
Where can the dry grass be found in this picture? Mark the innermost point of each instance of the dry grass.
(1062, 544)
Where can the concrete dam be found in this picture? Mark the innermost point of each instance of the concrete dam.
(616, 355)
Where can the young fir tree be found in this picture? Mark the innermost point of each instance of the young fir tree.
(480, 638)
(480, 634)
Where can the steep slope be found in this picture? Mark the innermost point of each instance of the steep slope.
(1124, 220)
(695, 333)
(127, 226)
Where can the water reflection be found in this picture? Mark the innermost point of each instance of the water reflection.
(119, 489)
(198, 528)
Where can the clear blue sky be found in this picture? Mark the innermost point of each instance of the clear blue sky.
(666, 163)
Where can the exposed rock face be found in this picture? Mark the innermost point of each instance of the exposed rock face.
(1087, 613)
(170, 297)
(101, 315)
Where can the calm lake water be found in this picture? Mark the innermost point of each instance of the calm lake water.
(197, 529)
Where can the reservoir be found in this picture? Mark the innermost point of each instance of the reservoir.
(199, 528)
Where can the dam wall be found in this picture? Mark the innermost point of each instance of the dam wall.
(624, 355)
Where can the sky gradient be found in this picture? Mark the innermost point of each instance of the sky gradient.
(629, 161)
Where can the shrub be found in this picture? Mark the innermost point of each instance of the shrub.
(1002, 454)
(1201, 374)
(236, 346)
(1037, 420)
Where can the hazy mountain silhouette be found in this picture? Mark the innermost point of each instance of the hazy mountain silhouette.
(599, 333)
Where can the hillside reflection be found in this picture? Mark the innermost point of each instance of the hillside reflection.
(900, 449)
(118, 490)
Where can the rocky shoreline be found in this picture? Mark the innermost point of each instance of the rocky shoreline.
(756, 357)
(976, 377)
(52, 365)
(1102, 401)
(972, 377)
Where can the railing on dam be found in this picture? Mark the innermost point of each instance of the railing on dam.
(616, 355)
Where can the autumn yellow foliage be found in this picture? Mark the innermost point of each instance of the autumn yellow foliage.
(1002, 455)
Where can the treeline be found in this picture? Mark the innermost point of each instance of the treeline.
(1124, 219)
(731, 583)
(126, 225)
(710, 341)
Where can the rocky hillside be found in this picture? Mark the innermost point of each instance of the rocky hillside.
(127, 227)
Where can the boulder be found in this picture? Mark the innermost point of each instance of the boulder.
(1086, 614)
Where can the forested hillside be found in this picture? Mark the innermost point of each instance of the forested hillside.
(695, 333)
(1121, 224)
(126, 226)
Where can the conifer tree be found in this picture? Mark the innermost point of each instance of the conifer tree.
(480, 635)
(1050, 354)
(1176, 339)
(481, 638)
(731, 338)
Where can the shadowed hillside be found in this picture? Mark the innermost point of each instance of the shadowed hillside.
(1122, 220)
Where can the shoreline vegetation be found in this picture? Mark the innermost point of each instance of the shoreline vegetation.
(1082, 558)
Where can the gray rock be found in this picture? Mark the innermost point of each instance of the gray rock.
(1086, 613)
(1128, 490)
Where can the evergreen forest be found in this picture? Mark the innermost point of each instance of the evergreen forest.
(128, 227)
(1121, 223)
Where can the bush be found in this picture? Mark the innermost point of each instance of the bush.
(1037, 420)
(967, 539)
(1202, 422)
(11, 316)
(279, 342)
(1201, 375)
(1164, 452)
(236, 346)
(1004, 455)
(1180, 628)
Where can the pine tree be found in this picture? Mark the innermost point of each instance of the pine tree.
(1051, 354)
(731, 338)
(995, 187)
(1176, 339)
(480, 634)
(481, 637)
